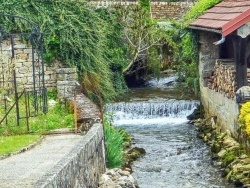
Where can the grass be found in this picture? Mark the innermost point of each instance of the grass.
(14, 137)
(10, 144)
(57, 117)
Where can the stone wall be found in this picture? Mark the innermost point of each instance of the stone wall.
(170, 10)
(83, 167)
(215, 103)
(160, 10)
(20, 60)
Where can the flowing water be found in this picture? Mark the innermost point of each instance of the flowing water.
(175, 157)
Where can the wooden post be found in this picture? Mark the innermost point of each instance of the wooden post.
(75, 113)
(240, 44)
(26, 110)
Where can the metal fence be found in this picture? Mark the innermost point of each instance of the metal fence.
(13, 92)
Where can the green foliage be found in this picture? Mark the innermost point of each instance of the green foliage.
(114, 140)
(144, 4)
(184, 45)
(10, 144)
(143, 37)
(52, 94)
(187, 57)
(200, 7)
(76, 35)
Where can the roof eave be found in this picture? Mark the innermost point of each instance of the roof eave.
(205, 29)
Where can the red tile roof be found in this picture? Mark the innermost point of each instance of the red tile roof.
(224, 17)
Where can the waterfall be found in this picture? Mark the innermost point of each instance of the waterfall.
(152, 110)
(162, 82)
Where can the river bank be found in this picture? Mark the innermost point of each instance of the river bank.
(227, 154)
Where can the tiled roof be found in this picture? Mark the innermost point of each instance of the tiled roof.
(224, 13)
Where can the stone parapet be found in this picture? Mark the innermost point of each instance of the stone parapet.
(67, 84)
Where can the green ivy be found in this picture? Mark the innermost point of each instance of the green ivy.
(77, 35)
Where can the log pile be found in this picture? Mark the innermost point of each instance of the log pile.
(223, 78)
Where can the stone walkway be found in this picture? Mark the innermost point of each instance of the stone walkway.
(26, 169)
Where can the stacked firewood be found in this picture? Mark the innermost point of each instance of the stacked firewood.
(223, 78)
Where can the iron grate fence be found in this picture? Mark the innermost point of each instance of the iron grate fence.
(21, 74)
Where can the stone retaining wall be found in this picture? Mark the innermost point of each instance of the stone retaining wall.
(67, 83)
(83, 167)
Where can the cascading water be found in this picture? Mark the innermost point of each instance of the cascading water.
(175, 157)
(152, 110)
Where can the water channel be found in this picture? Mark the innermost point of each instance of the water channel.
(155, 116)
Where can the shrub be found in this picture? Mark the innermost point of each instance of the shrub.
(244, 117)
(114, 140)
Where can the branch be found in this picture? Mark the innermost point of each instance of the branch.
(129, 39)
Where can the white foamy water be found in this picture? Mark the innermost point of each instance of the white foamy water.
(152, 111)
(161, 82)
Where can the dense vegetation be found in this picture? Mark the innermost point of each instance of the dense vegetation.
(200, 7)
(183, 44)
(76, 35)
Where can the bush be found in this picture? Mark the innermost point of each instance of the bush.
(114, 140)
(244, 117)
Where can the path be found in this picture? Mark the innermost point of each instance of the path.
(26, 169)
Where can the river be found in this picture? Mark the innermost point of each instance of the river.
(155, 116)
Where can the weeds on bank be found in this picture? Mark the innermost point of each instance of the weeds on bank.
(115, 140)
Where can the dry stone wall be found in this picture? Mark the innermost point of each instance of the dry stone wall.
(170, 10)
(66, 82)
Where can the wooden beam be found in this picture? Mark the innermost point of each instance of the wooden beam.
(240, 60)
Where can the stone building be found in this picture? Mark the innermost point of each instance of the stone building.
(224, 60)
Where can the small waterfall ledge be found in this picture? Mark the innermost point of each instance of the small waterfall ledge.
(151, 109)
